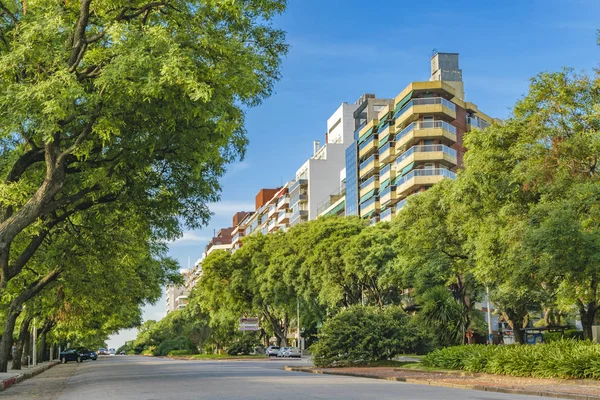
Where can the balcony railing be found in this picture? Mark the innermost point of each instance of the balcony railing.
(477, 122)
(366, 143)
(368, 161)
(387, 213)
(425, 101)
(385, 169)
(425, 125)
(425, 172)
(298, 183)
(426, 149)
(369, 202)
(283, 201)
(357, 130)
(369, 181)
(386, 191)
(331, 198)
(401, 204)
(388, 146)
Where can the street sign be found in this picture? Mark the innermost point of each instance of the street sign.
(248, 327)
(248, 324)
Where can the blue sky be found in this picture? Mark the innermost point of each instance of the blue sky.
(341, 49)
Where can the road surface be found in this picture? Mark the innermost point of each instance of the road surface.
(144, 378)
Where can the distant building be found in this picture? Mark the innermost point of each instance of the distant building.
(176, 296)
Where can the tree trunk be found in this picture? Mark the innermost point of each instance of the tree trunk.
(7, 336)
(42, 353)
(26, 348)
(13, 312)
(587, 314)
(517, 320)
(23, 335)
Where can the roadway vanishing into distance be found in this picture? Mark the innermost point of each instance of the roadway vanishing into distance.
(145, 378)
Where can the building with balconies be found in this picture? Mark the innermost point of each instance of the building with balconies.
(412, 141)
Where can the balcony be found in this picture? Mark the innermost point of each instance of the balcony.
(272, 210)
(237, 237)
(401, 204)
(417, 131)
(368, 146)
(421, 177)
(272, 225)
(387, 214)
(369, 185)
(283, 202)
(299, 214)
(298, 196)
(428, 153)
(387, 152)
(386, 174)
(428, 105)
(369, 166)
(284, 217)
(298, 184)
(387, 195)
(333, 198)
(477, 122)
(385, 130)
(369, 207)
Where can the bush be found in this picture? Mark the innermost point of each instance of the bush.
(568, 334)
(244, 345)
(177, 343)
(565, 358)
(360, 335)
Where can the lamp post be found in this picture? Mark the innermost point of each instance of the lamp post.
(489, 316)
(298, 323)
(34, 355)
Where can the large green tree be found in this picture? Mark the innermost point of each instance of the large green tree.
(135, 102)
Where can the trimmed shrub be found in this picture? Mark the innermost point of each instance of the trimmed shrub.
(244, 345)
(177, 343)
(566, 358)
(359, 335)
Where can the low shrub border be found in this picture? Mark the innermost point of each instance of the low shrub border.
(565, 359)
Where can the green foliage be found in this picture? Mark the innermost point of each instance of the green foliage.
(176, 343)
(181, 353)
(244, 345)
(567, 359)
(360, 335)
(568, 334)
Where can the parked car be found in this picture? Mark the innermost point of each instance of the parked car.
(293, 352)
(272, 351)
(92, 355)
(282, 351)
(122, 353)
(102, 351)
(112, 352)
(70, 355)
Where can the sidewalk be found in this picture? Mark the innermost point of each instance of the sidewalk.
(7, 379)
(575, 389)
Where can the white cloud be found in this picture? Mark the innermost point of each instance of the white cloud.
(190, 237)
(228, 208)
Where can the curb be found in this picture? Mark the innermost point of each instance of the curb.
(6, 383)
(451, 385)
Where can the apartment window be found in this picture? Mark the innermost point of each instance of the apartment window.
(429, 166)
(428, 122)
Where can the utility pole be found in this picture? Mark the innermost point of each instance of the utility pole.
(34, 355)
(489, 316)
(298, 322)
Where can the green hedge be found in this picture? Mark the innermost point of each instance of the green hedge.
(560, 359)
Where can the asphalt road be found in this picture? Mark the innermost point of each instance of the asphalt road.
(143, 378)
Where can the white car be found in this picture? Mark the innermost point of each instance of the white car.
(293, 352)
(112, 352)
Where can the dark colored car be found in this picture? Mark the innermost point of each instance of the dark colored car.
(70, 355)
(92, 355)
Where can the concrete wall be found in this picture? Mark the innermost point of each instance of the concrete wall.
(340, 126)
(324, 176)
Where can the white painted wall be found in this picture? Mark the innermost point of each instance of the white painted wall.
(344, 131)
(324, 176)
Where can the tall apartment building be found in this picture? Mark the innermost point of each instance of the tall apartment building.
(405, 145)
(176, 295)
(319, 176)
